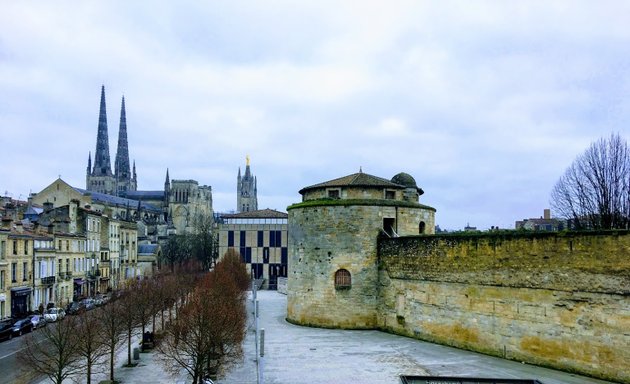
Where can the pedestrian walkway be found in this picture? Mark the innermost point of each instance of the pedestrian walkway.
(295, 355)
(304, 355)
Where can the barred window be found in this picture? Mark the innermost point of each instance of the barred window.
(343, 280)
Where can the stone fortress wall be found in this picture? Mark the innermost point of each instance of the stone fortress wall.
(552, 299)
(362, 256)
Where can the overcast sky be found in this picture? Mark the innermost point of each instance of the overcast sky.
(485, 104)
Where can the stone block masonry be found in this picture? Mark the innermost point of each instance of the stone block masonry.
(554, 299)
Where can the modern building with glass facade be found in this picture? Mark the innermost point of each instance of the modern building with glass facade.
(260, 237)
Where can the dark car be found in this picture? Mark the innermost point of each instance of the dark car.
(22, 326)
(75, 307)
(38, 321)
(88, 304)
(6, 330)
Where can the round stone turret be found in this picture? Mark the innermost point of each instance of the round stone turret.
(412, 192)
(333, 232)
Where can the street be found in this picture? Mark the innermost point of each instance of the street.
(12, 371)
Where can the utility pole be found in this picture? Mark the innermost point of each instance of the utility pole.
(261, 357)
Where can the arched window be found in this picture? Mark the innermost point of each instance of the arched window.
(422, 227)
(343, 280)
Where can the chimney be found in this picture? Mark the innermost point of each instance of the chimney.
(547, 214)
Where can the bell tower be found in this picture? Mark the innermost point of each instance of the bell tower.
(246, 190)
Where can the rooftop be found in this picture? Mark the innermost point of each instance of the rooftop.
(355, 180)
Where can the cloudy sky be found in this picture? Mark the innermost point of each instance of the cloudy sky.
(484, 103)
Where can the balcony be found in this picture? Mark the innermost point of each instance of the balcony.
(65, 275)
(48, 280)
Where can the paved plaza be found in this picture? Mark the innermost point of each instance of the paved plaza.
(296, 355)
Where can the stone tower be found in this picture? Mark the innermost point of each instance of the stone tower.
(246, 190)
(125, 180)
(100, 178)
(333, 232)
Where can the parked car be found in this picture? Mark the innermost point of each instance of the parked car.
(54, 314)
(75, 307)
(6, 330)
(22, 326)
(38, 321)
(89, 304)
(100, 300)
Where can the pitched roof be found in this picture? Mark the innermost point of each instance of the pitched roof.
(259, 214)
(147, 249)
(115, 200)
(355, 180)
(137, 195)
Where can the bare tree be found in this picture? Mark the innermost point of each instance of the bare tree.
(90, 346)
(111, 329)
(594, 192)
(56, 356)
(129, 301)
(232, 265)
(204, 241)
(209, 328)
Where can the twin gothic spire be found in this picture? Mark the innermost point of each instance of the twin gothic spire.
(100, 177)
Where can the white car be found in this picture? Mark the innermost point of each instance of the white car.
(54, 314)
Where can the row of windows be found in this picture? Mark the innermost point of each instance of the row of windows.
(335, 193)
(275, 238)
(14, 272)
(246, 254)
(255, 221)
(274, 270)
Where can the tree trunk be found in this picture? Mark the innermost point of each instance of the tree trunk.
(129, 348)
(111, 365)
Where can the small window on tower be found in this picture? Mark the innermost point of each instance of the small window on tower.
(390, 194)
(334, 193)
(343, 280)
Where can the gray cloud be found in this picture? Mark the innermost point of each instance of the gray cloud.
(484, 103)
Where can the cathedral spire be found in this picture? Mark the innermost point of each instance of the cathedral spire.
(89, 167)
(102, 164)
(121, 168)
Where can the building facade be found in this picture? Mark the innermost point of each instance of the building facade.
(333, 232)
(20, 260)
(5, 302)
(260, 237)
